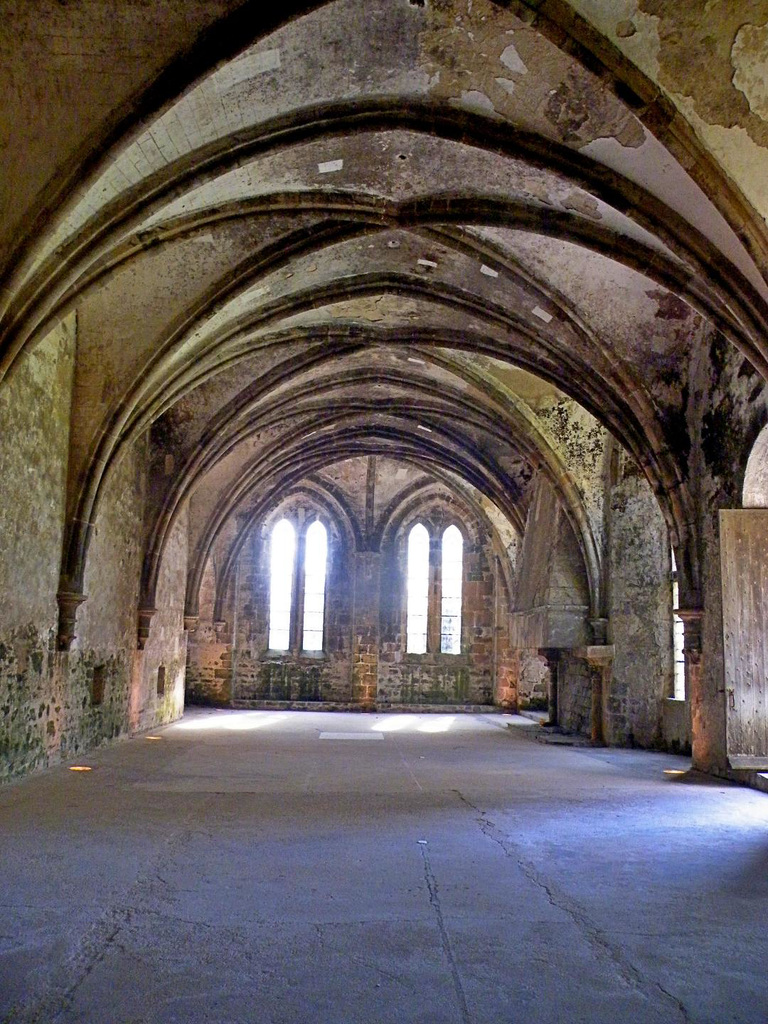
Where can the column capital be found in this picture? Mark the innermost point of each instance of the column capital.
(692, 618)
(599, 628)
(596, 655)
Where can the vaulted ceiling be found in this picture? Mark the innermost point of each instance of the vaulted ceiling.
(422, 229)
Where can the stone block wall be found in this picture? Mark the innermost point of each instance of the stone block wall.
(364, 660)
(574, 694)
(209, 665)
(640, 611)
(534, 678)
(34, 432)
(57, 704)
(481, 673)
(158, 695)
(230, 660)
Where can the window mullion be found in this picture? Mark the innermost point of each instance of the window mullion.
(297, 609)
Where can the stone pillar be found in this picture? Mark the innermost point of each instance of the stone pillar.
(552, 655)
(365, 627)
(694, 682)
(599, 657)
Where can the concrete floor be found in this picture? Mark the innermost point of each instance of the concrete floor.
(289, 867)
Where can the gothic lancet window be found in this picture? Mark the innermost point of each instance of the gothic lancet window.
(418, 590)
(678, 634)
(451, 576)
(315, 557)
(282, 554)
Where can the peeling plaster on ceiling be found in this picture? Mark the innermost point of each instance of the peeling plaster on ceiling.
(711, 59)
(749, 56)
(739, 154)
(424, 234)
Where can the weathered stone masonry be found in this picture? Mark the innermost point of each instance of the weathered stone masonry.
(502, 265)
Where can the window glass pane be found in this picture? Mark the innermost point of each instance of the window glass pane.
(315, 558)
(417, 590)
(282, 553)
(451, 579)
(678, 635)
(314, 603)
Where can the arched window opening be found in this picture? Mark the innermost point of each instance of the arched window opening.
(678, 634)
(452, 573)
(282, 554)
(315, 558)
(418, 590)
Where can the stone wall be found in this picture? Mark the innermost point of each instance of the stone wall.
(364, 659)
(157, 693)
(230, 660)
(100, 663)
(639, 612)
(574, 694)
(534, 678)
(727, 410)
(480, 672)
(34, 432)
(551, 599)
(56, 704)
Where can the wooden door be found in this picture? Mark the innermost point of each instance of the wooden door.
(744, 562)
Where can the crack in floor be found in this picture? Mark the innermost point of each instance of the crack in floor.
(99, 938)
(445, 941)
(92, 949)
(593, 935)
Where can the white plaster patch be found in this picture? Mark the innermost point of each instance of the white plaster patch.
(740, 156)
(542, 314)
(252, 64)
(426, 263)
(329, 166)
(511, 59)
(643, 47)
(473, 99)
(489, 271)
(749, 57)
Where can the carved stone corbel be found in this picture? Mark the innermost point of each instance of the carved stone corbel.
(69, 601)
(145, 616)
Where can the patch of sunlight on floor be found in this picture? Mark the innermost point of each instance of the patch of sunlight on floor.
(233, 721)
(395, 724)
(440, 723)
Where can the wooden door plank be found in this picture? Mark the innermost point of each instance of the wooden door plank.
(744, 569)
